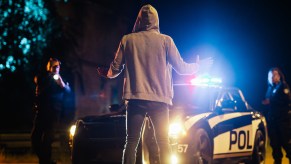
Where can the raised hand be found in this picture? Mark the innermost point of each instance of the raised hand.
(59, 80)
(204, 63)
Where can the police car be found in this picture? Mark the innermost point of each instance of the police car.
(209, 124)
(214, 124)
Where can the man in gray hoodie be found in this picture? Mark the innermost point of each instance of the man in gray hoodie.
(148, 57)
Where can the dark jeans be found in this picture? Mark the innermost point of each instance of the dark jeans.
(159, 115)
(280, 136)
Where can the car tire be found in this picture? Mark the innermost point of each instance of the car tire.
(259, 152)
(201, 148)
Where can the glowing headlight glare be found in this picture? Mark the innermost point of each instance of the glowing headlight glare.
(72, 130)
(174, 159)
(175, 129)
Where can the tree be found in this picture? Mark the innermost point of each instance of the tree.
(27, 29)
(24, 30)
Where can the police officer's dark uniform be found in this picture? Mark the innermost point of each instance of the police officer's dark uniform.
(278, 119)
(49, 96)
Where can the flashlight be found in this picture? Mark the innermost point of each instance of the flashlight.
(56, 76)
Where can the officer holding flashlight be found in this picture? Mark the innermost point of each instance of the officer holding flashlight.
(50, 90)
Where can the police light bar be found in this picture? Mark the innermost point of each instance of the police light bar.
(205, 81)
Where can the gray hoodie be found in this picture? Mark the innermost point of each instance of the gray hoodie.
(148, 57)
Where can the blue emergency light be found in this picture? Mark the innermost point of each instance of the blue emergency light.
(205, 81)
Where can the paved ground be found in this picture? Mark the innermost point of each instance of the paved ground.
(62, 153)
(269, 159)
(16, 148)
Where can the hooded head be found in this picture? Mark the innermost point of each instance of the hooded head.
(147, 19)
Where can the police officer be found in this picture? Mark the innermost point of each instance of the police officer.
(278, 100)
(50, 89)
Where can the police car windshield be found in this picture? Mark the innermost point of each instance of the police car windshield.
(194, 99)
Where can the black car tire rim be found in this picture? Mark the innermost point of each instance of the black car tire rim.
(259, 149)
(201, 146)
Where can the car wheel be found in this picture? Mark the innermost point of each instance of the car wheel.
(202, 149)
(259, 152)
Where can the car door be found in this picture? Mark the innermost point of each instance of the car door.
(232, 129)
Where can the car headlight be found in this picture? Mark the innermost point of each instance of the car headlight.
(72, 130)
(174, 159)
(176, 129)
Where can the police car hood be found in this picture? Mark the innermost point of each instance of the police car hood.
(194, 119)
(213, 119)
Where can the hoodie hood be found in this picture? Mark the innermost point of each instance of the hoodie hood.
(147, 19)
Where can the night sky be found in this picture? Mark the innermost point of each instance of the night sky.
(246, 38)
